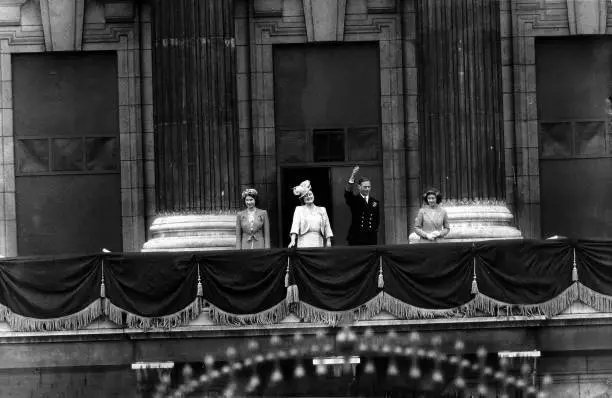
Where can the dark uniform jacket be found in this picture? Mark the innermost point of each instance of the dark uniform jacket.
(365, 218)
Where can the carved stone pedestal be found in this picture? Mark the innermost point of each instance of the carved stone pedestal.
(477, 222)
(192, 233)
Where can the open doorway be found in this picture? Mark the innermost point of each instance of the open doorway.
(327, 119)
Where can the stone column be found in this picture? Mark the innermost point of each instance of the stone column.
(196, 132)
(460, 115)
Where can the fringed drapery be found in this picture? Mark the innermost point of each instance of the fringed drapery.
(151, 290)
(337, 287)
(244, 285)
(329, 286)
(432, 279)
(50, 293)
(524, 277)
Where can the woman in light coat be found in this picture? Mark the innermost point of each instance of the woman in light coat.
(310, 226)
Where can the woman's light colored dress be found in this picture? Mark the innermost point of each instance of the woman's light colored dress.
(311, 225)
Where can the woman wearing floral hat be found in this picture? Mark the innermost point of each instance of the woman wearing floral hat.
(310, 226)
(252, 224)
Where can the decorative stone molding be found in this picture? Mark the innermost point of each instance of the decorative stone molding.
(268, 8)
(192, 232)
(587, 17)
(530, 17)
(119, 10)
(373, 25)
(324, 20)
(382, 6)
(63, 24)
(10, 12)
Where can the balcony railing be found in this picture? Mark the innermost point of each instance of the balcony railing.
(340, 285)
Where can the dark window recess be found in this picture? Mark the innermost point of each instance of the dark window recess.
(590, 138)
(556, 139)
(101, 153)
(32, 155)
(67, 154)
(293, 146)
(575, 139)
(363, 144)
(328, 145)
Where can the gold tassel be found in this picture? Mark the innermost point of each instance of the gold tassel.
(200, 291)
(102, 286)
(574, 269)
(474, 286)
(474, 282)
(287, 274)
(381, 279)
(290, 299)
(296, 293)
(293, 294)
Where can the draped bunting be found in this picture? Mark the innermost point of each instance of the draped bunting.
(150, 290)
(425, 281)
(329, 286)
(338, 291)
(594, 271)
(245, 286)
(50, 293)
(531, 276)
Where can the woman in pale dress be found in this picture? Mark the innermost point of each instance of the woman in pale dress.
(252, 224)
(310, 226)
(431, 223)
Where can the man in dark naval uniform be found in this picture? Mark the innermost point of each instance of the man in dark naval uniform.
(365, 211)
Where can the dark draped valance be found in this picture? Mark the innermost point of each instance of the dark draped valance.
(327, 286)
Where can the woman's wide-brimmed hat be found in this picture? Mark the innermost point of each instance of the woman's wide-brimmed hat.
(302, 189)
(249, 192)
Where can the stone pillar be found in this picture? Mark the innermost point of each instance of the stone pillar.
(460, 115)
(196, 134)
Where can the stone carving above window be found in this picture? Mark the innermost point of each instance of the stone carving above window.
(324, 19)
(561, 17)
(118, 10)
(10, 12)
(587, 17)
(62, 24)
(381, 6)
(268, 8)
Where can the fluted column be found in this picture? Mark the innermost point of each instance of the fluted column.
(460, 112)
(196, 139)
(196, 135)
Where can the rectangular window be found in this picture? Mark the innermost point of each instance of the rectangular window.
(328, 145)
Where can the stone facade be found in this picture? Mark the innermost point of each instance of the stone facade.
(578, 351)
(522, 22)
(122, 27)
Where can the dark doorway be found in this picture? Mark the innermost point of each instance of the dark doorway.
(574, 80)
(68, 184)
(327, 114)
